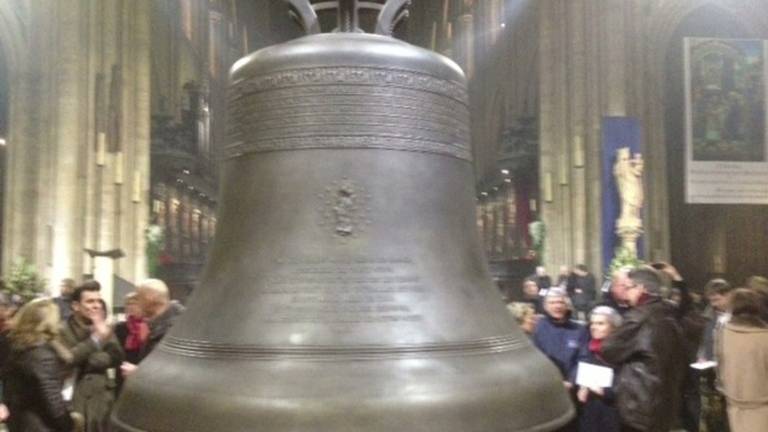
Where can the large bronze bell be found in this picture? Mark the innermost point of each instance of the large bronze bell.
(346, 290)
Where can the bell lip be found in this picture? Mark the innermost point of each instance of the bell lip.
(544, 427)
(346, 49)
(551, 393)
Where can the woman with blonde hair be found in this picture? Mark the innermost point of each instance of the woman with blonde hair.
(33, 377)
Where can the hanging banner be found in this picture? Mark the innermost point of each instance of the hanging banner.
(617, 133)
(726, 149)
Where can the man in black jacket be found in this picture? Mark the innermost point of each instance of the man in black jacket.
(649, 350)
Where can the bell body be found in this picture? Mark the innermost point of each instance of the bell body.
(346, 289)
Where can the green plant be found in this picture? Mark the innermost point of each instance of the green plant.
(538, 232)
(24, 281)
(623, 257)
(155, 245)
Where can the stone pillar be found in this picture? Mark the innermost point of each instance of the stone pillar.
(69, 139)
(142, 44)
(20, 234)
(465, 51)
(495, 19)
(593, 136)
(582, 79)
(575, 135)
(110, 174)
(554, 156)
(613, 57)
(25, 231)
(66, 190)
(95, 148)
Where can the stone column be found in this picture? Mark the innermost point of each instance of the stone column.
(465, 52)
(66, 192)
(95, 147)
(28, 226)
(142, 58)
(69, 137)
(554, 156)
(593, 135)
(495, 18)
(547, 41)
(20, 234)
(613, 57)
(576, 136)
(110, 174)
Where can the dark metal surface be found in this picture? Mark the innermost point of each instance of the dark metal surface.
(346, 289)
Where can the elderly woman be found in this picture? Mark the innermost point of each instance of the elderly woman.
(743, 363)
(33, 375)
(599, 413)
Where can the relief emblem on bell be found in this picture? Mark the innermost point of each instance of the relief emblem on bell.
(344, 208)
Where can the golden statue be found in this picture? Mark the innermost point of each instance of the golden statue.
(628, 172)
(629, 178)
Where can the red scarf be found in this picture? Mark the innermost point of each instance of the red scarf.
(138, 330)
(596, 348)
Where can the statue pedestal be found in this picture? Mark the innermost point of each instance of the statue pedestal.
(629, 230)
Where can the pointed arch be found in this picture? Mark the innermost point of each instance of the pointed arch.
(666, 19)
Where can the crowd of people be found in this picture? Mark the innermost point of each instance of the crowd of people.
(668, 358)
(63, 361)
(660, 357)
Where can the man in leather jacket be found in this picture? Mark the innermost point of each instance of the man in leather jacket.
(649, 350)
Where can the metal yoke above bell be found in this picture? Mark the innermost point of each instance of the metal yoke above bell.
(346, 289)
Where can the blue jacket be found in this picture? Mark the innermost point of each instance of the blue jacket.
(564, 343)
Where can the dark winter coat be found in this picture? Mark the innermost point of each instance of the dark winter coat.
(131, 356)
(650, 352)
(94, 392)
(599, 413)
(562, 342)
(5, 352)
(33, 379)
(159, 326)
(583, 291)
(543, 282)
(121, 332)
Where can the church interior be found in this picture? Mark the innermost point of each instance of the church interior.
(135, 134)
(114, 119)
